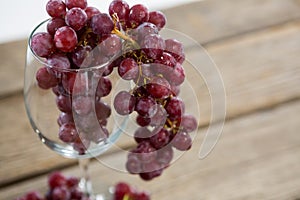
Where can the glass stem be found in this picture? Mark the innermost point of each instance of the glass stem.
(85, 183)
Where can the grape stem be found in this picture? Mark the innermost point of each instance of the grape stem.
(126, 37)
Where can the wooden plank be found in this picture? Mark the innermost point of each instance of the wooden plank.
(204, 21)
(12, 63)
(258, 157)
(267, 65)
(212, 20)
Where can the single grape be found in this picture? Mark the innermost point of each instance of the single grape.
(189, 123)
(119, 7)
(102, 24)
(34, 195)
(76, 3)
(54, 24)
(167, 64)
(145, 29)
(158, 19)
(159, 118)
(61, 193)
(165, 155)
(46, 80)
(56, 179)
(142, 134)
(64, 103)
(176, 76)
(182, 141)
(128, 69)
(175, 108)
(175, 48)
(151, 166)
(121, 189)
(124, 103)
(65, 39)
(67, 133)
(42, 44)
(65, 118)
(146, 153)
(133, 164)
(82, 56)
(76, 18)
(147, 176)
(81, 145)
(56, 8)
(103, 110)
(141, 196)
(160, 138)
(153, 45)
(59, 62)
(104, 87)
(110, 45)
(91, 11)
(142, 121)
(158, 88)
(146, 107)
(137, 15)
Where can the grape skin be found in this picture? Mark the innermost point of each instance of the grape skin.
(65, 39)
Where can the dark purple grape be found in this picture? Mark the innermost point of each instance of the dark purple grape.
(56, 8)
(153, 45)
(91, 11)
(147, 176)
(76, 3)
(54, 24)
(119, 7)
(175, 108)
(146, 153)
(104, 87)
(46, 80)
(61, 193)
(76, 18)
(182, 141)
(81, 145)
(82, 56)
(64, 103)
(103, 110)
(76, 194)
(110, 45)
(189, 123)
(121, 189)
(42, 44)
(177, 75)
(159, 118)
(157, 18)
(59, 62)
(158, 88)
(67, 133)
(56, 179)
(65, 118)
(33, 195)
(133, 164)
(128, 69)
(146, 107)
(142, 134)
(145, 29)
(165, 155)
(65, 39)
(102, 24)
(160, 138)
(124, 103)
(142, 121)
(176, 48)
(137, 15)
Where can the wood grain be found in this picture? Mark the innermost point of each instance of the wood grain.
(257, 157)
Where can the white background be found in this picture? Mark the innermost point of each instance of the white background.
(18, 18)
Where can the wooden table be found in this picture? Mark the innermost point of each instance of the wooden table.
(256, 46)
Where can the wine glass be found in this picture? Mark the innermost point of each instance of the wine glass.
(70, 109)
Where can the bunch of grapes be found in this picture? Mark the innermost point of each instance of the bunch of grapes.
(60, 188)
(66, 188)
(79, 36)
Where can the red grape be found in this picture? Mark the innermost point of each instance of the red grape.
(65, 39)
(42, 44)
(56, 8)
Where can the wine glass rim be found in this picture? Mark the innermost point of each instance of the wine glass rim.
(42, 60)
